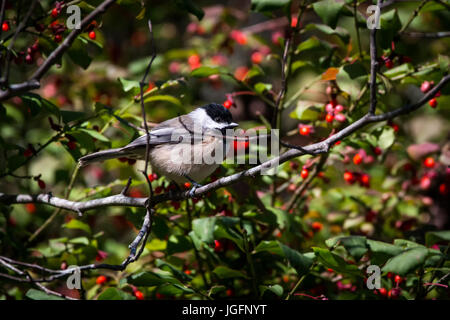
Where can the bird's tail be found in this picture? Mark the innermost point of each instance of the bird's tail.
(103, 155)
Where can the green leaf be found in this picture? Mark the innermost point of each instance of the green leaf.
(40, 295)
(383, 248)
(128, 85)
(340, 32)
(310, 44)
(150, 279)
(407, 261)
(387, 138)
(69, 116)
(178, 244)
(203, 72)
(276, 289)
(262, 87)
(328, 11)
(115, 294)
(352, 78)
(77, 224)
(270, 246)
(297, 260)
(204, 229)
(437, 236)
(35, 102)
(335, 262)
(78, 54)
(306, 111)
(225, 273)
(268, 5)
(191, 7)
(166, 98)
(95, 134)
(355, 245)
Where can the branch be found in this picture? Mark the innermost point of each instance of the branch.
(427, 35)
(314, 149)
(34, 81)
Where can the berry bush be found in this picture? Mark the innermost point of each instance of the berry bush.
(363, 183)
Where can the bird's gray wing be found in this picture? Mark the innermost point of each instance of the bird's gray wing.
(167, 132)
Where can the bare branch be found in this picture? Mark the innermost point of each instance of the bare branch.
(34, 81)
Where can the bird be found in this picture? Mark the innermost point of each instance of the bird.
(179, 148)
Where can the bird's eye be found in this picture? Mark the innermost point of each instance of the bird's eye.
(217, 119)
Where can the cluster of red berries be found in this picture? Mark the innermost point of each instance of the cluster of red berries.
(427, 86)
(72, 143)
(394, 292)
(334, 112)
(362, 178)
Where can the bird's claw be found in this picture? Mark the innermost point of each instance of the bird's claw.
(192, 191)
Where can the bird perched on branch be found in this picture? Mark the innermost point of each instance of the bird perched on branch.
(185, 148)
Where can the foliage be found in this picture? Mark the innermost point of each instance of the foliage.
(299, 235)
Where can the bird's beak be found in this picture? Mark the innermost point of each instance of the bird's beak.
(232, 125)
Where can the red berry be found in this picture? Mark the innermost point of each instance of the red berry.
(398, 279)
(152, 177)
(5, 26)
(72, 145)
(227, 104)
(429, 162)
(41, 184)
(365, 179)
(218, 246)
(357, 159)
(175, 204)
(139, 295)
(187, 185)
(229, 292)
(58, 38)
(425, 182)
(305, 130)
(390, 275)
(54, 13)
(92, 35)
(426, 86)
(317, 226)
(340, 117)
(443, 189)
(28, 153)
(389, 64)
(329, 118)
(433, 103)
(101, 280)
(158, 189)
(159, 296)
(239, 37)
(394, 293)
(348, 176)
(339, 108)
(329, 107)
(28, 59)
(30, 207)
(304, 173)
(188, 272)
(377, 151)
(194, 61)
(383, 292)
(257, 57)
